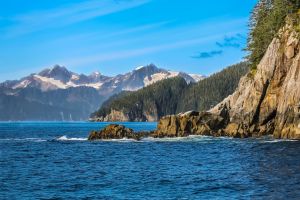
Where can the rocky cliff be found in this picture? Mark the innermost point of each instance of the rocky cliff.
(266, 102)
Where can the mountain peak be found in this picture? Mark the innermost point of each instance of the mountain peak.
(148, 69)
(59, 68)
(57, 72)
(59, 77)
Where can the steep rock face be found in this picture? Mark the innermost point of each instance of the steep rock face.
(114, 116)
(192, 123)
(121, 116)
(266, 102)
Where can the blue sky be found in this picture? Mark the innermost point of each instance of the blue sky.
(115, 36)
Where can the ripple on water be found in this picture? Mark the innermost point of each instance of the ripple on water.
(56, 161)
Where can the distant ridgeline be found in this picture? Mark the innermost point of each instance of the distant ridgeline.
(57, 94)
(171, 96)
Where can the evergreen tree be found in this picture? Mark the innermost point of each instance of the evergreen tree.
(267, 18)
(172, 96)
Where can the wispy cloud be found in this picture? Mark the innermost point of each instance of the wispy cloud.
(151, 31)
(138, 52)
(104, 35)
(172, 41)
(208, 54)
(235, 41)
(70, 14)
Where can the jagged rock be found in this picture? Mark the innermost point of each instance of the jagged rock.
(115, 131)
(111, 131)
(190, 123)
(266, 102)
(114, 116)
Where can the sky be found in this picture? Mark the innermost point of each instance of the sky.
(116, 36)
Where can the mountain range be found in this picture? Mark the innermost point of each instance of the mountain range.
(57, 94)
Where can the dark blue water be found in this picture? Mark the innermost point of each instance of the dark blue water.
(54, 161)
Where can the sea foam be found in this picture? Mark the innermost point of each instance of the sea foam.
(278, 140)
(65, 138)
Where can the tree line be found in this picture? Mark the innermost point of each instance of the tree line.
(267, 18)
(174, 95)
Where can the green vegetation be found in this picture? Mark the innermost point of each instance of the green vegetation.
(158, 99)
(267, 18)
(172, 96)
(210, 91)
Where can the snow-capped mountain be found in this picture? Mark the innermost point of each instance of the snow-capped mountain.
(59, 94)
(60, 78)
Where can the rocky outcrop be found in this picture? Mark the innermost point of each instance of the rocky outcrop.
(191, 123)
(267, 101)
(115, 131)
(113, 116)
(120, 116)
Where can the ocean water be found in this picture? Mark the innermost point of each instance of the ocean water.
(55, 161)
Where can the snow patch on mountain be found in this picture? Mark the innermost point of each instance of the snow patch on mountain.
(93, 85)
(197, 77)
(50, 82)
(138, 68)
(22, 84)
(60, 78)
(75, 77)
(158, 77)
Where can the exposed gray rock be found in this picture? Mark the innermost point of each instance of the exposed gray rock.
(267, 102)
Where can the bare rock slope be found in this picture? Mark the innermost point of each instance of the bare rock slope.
(267, 101)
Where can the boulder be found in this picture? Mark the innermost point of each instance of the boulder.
(115, 131)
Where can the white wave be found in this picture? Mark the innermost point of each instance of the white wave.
(166, 139)
(120, 140)
(278, 140)
(189, 138)
(65, 138)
